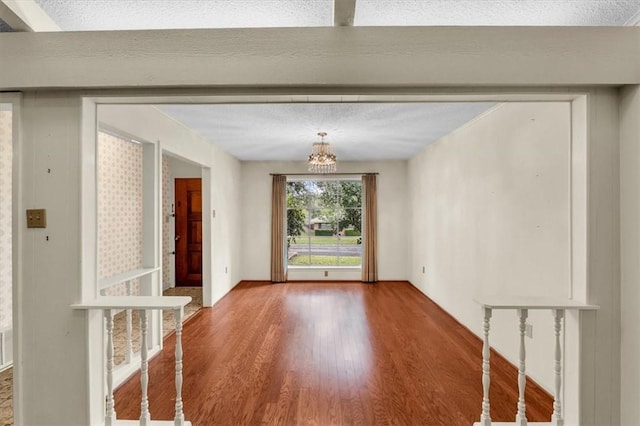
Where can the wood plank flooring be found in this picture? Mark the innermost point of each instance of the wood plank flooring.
(329, 353)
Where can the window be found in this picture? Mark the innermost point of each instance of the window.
(324, 223)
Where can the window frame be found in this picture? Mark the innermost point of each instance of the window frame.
(325, 178)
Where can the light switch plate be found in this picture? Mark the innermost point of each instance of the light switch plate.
(36, 218)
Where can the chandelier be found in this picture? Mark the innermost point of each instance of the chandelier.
(322, 159)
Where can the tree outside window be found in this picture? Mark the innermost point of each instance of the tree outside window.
(324, 221)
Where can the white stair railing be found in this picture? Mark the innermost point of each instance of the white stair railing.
(522, 305)
(143, 304)
(125, 368)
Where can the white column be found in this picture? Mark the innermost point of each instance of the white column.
(485, 418)
(556, 417)
(179, 419)
(53, 137)
(521, 416)
(145, 417)
(128, 352)
(110, 415)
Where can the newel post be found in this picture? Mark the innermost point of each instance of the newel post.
(521, 416)
(179, 418)
(485, 418)
(556, 417)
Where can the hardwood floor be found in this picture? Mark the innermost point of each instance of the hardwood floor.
(329, 353)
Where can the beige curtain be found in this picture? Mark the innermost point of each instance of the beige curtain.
(370, 240)
(278, 227)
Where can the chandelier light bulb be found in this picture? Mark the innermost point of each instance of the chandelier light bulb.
(322, 158)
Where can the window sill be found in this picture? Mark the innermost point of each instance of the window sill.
(325, 268)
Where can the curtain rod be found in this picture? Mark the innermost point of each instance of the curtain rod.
(322, 174)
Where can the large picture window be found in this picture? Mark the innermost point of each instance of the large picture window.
(324, 223)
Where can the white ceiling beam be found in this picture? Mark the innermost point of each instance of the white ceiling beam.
(343, 13)
(633, 20)
(322, 57)
(26, 15)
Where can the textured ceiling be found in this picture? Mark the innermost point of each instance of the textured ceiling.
(78, 15)
(358, 131)
(497, 12)
(81, 15)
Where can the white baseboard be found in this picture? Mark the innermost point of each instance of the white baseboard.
(513, 423)
(153, 423)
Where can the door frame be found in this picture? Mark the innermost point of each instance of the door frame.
(205, 177)
(581, 116)
(17, 224)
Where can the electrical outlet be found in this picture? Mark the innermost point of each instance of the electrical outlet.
(36, 218)
(528, 331)
(326, 273)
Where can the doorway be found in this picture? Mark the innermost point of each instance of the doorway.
(577, 143)
(188, 232)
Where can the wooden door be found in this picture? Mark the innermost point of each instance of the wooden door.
(188, 194)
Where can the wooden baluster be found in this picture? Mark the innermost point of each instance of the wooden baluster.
(556, 417)
(110, 416)
(485, 418)
(128, 353)
(145, 417)
(521, 416)
(179, 419)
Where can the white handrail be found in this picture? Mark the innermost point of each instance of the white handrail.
(522, 305)
(108, 282)
(107, 304)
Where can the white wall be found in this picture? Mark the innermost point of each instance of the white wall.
(220, 178)
(630, 253)
(184, 169)
(227, 226)
(392, 214)
(490, 213)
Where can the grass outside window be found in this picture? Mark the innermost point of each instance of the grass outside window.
(303, 239)
(314, 260)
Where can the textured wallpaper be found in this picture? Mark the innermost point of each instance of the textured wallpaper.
(5, 217)
(167, 222)
(119, 209)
